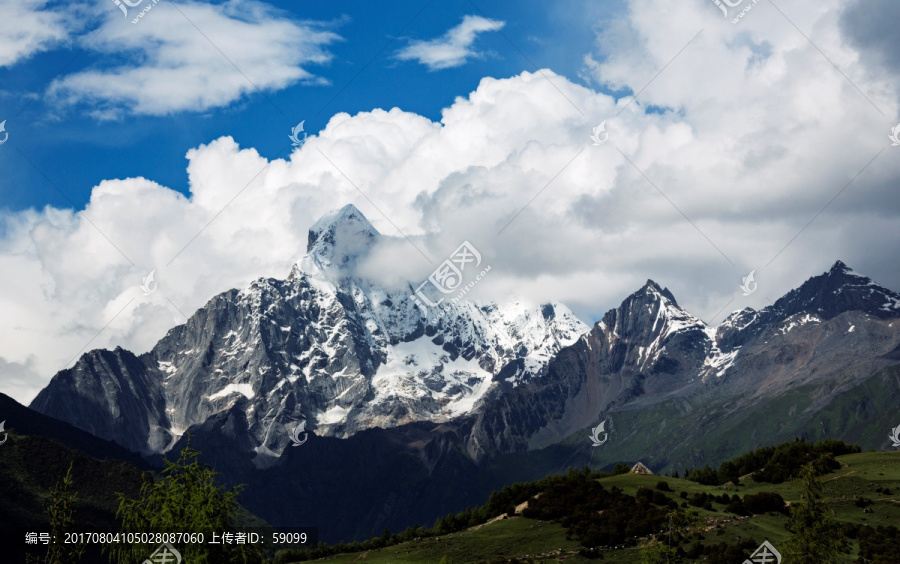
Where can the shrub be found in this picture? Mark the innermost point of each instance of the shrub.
(775, 464)
(595, 515)
(706, 476)
(698, 499)
(621, 469)
(645, 493)
(738, 508)
(880, 545)
(763, 502)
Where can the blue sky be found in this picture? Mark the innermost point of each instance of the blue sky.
(729, 145)
(77, 151)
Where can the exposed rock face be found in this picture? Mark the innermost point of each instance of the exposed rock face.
(323, 346)
(113, 395)
(649, 350)
(819, 299)
(440, 411)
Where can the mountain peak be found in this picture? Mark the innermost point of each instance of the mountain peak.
(840, 270)
(651, 287)
(836, 291)
(839, 266)
(340, 236)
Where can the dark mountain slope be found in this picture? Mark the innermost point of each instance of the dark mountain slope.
(37, 454)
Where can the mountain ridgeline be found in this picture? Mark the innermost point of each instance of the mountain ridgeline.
(412, 417)
(324, 346)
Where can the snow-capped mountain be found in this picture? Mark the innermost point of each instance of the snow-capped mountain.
(658, 334)
(441, 410)
(819, 299)
(322, 346)
(650, 350)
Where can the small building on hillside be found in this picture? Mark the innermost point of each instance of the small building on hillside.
(639, 468)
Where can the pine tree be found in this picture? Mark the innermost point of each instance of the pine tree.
(62, 520)
(185, 499)
(817, 538)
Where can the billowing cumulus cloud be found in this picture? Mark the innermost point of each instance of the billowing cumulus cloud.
(723, 163)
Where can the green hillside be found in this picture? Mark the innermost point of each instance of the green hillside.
(864, 493)
(711, 428)
(31, 465)
(29, 468)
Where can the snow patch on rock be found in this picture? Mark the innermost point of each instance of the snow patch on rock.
(798, 320)
(245, 390)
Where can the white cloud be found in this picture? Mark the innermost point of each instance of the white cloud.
(29, 28)
(451, 49)
(163, 64)
(763, 133)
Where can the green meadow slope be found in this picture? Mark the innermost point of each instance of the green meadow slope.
(872, 475)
